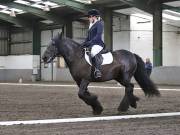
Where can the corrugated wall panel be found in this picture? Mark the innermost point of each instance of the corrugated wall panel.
(22, 48)
(3, 47)
(79, 31)
(21, 42)
(3, 40)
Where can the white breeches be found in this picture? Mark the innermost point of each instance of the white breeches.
(95, 50)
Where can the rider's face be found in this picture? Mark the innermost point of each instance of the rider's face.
(91, 19)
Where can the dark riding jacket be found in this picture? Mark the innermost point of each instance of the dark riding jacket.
(94, 36)
(148, 65)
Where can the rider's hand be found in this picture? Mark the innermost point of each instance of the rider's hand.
(88, 44)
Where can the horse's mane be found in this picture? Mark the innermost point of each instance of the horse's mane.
(69, 42)
(72, 41)
(74, 44)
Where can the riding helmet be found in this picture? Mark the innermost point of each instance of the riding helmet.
(93, 12)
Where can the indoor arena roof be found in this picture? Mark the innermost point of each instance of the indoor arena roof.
(56, 11)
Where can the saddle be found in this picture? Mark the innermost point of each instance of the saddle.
(104, 57)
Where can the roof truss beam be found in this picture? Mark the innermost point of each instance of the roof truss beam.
(176, 9)
(121, 7)
(16, 21)
(37, 12)
(141, 4)
(73, 4)
(163, 1)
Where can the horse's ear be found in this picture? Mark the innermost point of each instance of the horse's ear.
(60, 35)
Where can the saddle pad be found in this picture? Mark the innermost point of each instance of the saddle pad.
(107, 58)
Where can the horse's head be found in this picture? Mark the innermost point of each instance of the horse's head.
(53, 49)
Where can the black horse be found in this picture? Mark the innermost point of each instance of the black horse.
(125, 65)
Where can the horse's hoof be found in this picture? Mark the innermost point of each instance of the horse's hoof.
(122, 109)
(133, 102)
(134, 105)
(124, 106)
(97, 110)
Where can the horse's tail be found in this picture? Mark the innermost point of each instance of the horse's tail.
(143, 79)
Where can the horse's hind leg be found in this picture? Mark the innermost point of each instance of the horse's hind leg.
(89, 98)
(129, 98)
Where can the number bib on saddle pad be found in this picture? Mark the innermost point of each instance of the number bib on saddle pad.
(107, 58)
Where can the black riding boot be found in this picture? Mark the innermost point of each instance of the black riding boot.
(96, 64)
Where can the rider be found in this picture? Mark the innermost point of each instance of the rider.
(94, 38)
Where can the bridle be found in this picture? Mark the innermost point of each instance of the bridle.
(56, 45)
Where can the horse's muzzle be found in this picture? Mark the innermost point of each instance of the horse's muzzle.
(47, 60)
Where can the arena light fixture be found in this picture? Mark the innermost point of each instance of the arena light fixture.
(52, 4)
(173, 12)
(143, 16)
(22, 2)
(85, 1)
(5, 11)
(46, 7)
(17, 10)
(36, 0)
(174, 3)
(171, 17)
(37, 6)
(3, 7)
(47, 21)
(12, 13)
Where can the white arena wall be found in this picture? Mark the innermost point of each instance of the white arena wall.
(135, 34)
(14, 67)
(140, 41)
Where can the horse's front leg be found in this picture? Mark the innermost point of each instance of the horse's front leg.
(129, 98)
(89, 98)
